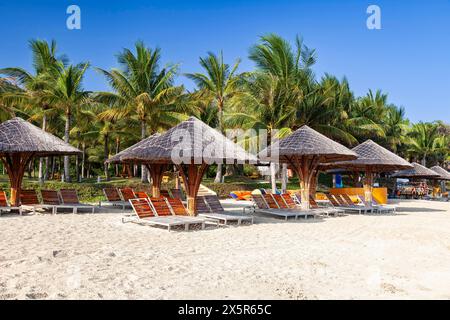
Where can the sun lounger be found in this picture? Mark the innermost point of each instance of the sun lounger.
(144, 213)
(127, 194)
(113, 198)
(327, 210)
(140, 195)
(261, 206)
(383, 207)
(218, 213)
(351, 206)
(29, 201)
(4, 204)
(70, 199)
(282, 204)
(162, 209)
(51, 197)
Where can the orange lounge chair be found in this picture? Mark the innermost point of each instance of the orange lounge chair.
(29, 201)
(113, 198)
(70, 199)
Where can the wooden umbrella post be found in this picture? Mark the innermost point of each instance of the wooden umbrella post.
(16, 164)
(156, 172)
(192, 177)
(368, 182)
(306, 169)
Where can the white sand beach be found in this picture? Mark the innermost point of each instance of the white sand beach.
(95, 256)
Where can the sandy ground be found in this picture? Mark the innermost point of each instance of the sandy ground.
(67, 256)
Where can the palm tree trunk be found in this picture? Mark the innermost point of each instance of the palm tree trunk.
(143, 168)
(284, 178)
(106, 154)
(117, 151)
(77, 164)
(273, 171)
(218, 178)
(83, 160)
(424, 160)
(41, 160)
(66, 139)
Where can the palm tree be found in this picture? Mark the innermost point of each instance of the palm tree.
(395, 127)
(217, 85)
(143, 92)
(68, 95)
(424, 140)
(46, 66)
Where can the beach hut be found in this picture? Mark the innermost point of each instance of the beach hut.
(304, 150)
(372, 158)
(20, 141)
(418, 171)
(192, 146)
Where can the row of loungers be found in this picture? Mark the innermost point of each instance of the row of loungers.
(170, 212)
(119, 197)
(288, 206)
(52, 200)
(283, 205)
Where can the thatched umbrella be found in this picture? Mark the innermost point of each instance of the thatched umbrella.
(444, 174)
(132, 155)
(372, 158)
(192, 146)
(304, 150)
(20, 141)
(418, 171)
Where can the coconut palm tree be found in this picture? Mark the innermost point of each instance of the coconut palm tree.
(424, 140)
(46, 65)
(143, 91)
(68, 95)
(217, 85)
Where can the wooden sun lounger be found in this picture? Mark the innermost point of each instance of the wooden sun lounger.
(70, 199)
(218, 213)
(127, 194)
(140, 195)
(162, 209)
(4, 204)
(281, 202)
(328, 210)
(261, 206)
(29, 201)
(345, 199)
(143, 213)
(113, 198)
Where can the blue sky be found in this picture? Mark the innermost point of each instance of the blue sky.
(409, 58)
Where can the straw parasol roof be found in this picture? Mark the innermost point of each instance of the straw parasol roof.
(373, 157)
(127, 154)
(20, 136)
(191, 140)
(307, 142)
(418, 171)
(445, 175)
